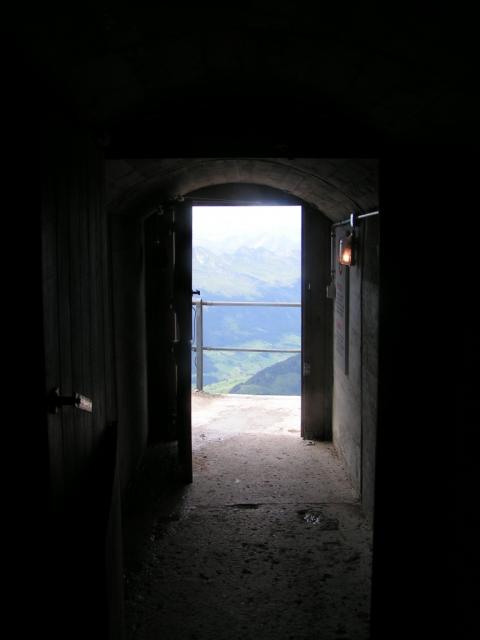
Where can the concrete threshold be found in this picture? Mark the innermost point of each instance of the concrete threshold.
(231, 414)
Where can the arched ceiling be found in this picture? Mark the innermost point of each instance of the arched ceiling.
(333, 186)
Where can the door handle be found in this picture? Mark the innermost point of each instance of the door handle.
(55, 401)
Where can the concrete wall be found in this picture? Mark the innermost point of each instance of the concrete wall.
(370, 324)
(130, 340)
(355, 354)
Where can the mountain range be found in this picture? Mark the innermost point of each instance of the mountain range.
(248, 273)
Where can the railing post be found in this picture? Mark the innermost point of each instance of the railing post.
(199, 344)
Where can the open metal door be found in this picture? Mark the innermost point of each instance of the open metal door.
(317, 330)
(182, 307)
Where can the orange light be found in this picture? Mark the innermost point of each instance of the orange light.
(345, 252)
(346, 256)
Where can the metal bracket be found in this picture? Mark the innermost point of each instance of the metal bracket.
(55, 401)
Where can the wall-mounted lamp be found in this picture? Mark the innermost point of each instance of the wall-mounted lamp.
(346, 254)
(346, 245)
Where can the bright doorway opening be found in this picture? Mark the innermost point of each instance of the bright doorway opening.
(246, 309)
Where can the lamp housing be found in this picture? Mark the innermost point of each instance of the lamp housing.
(346, 249)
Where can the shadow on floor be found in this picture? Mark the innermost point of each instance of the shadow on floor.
(156, 493)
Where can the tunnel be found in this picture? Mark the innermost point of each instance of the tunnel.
(113, 115)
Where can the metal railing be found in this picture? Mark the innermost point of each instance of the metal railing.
(199, 347)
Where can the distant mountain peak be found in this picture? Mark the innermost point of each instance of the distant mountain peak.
(249, 273)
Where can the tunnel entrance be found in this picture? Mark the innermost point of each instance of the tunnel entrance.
(172, 329)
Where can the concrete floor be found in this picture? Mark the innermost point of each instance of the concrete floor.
(267, 543)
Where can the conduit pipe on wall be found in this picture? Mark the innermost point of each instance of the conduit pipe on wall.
(363, 215)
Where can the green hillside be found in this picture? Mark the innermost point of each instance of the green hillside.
(224, 370)
(280, 379)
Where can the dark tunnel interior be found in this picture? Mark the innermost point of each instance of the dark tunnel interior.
(113, 112)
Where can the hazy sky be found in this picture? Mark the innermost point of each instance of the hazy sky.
(227, 228)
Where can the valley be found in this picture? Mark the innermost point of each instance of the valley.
(255, 274)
